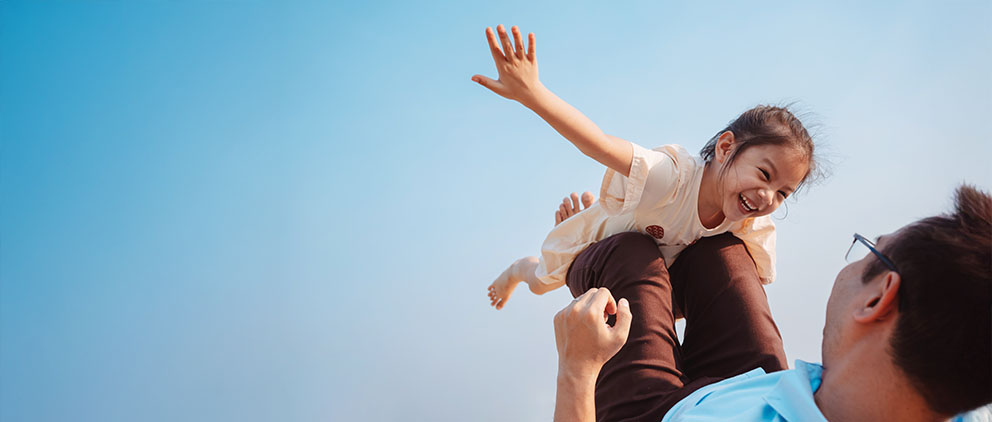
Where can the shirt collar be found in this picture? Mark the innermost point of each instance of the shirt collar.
(792, 396)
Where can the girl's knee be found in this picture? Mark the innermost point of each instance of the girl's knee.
(722, 257)
(633, 243)
(617, 261)
(634, 256)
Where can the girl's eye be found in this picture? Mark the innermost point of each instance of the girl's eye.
(783, 194)
(764, 173)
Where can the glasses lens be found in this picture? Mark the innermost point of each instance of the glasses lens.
(857, 252)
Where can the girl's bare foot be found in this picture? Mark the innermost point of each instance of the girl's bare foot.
(570, 206)
(502, 288)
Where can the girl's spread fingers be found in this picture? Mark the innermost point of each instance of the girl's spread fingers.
(507, 48)
(494, 45)
(518, 43)
(482, 80)
(494, 86)
(530, 46)
(587, 199)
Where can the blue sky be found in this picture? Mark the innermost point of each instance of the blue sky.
(260, 210)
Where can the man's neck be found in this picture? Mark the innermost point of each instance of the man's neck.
(864, 384)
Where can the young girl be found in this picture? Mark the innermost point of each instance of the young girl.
(743, 174)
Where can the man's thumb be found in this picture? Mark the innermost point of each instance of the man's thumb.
(622, 327)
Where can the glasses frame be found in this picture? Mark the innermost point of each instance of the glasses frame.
(871, 246)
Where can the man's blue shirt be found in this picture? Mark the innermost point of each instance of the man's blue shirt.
(755, 396)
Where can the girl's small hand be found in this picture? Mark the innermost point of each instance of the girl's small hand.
(517, 70)
(570, 206)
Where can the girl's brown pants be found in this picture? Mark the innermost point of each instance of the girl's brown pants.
(713, 284)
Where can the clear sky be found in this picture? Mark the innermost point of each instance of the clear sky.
(290, 210)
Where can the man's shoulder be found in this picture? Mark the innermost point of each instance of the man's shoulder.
(756, 396)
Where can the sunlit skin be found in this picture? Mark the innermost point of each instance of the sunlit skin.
(860, 380)
(848, 285)
(755, 184)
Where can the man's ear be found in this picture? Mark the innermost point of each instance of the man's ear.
(724, 146)
(884, 301)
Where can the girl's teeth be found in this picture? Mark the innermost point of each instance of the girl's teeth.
(747, 205)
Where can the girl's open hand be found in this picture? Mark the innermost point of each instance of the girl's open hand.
(517, 69)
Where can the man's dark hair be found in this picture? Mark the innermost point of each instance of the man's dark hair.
(943, 338)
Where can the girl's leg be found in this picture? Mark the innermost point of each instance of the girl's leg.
(729, 327)
(643, 380)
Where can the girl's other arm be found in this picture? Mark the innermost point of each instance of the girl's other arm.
(610, 151)
(518, 81)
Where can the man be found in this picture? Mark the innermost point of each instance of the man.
(908, 336)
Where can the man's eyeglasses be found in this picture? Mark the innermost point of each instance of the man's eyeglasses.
(857, 251)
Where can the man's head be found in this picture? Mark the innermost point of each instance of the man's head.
(934, 312)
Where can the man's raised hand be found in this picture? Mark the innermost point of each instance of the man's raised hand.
(584, 340)
(517, 69)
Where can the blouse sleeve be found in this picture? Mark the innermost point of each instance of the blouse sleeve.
(758, 235)
(654, 170)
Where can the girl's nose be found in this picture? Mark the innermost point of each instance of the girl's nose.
(766, 197)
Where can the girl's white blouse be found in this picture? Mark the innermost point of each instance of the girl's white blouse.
(661, 192)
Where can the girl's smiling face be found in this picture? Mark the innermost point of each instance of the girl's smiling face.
(759, 179)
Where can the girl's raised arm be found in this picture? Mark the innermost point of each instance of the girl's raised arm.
(518, 81)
